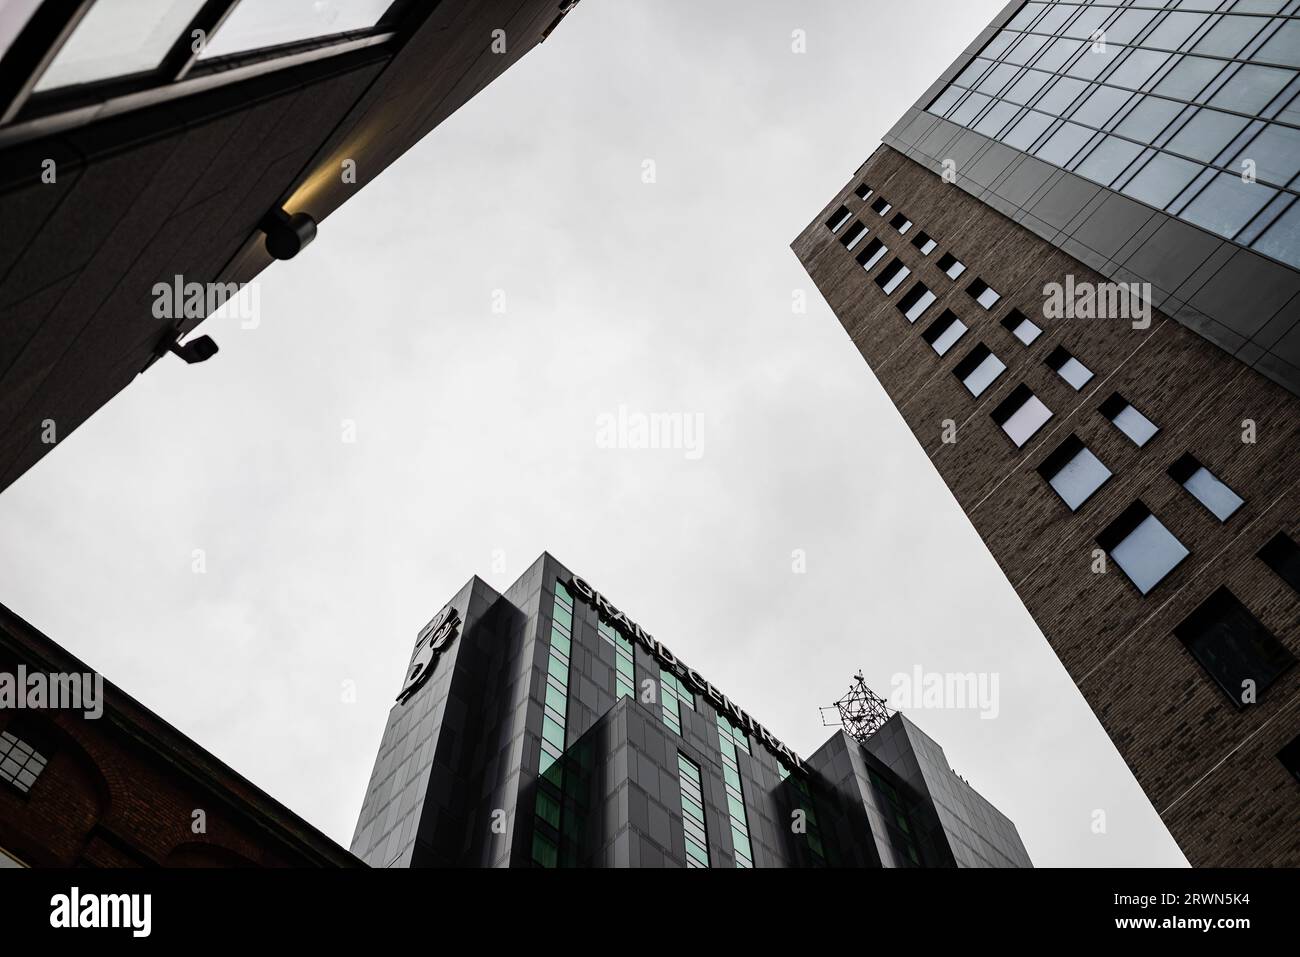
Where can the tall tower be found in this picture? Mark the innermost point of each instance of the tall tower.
(543, 727)
(1072, 266)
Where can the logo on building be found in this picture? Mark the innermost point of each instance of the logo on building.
(724, 705)
(435, 638)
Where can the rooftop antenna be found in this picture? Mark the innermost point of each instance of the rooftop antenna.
(861, 712)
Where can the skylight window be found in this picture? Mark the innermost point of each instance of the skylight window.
(254, 24)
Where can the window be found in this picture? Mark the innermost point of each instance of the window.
(118, 38)
(853, 235)
(1222, 501)
(917, 300)
(1068, 368)
(697, 841)
(980, 291)
(1282, 554)
(7, 859)
(1290, 757)
(1074, 472)
(872, 254)
(979, 369)
(1234, 648)
(1142, 547)
(880, 206)
(863, 192)
(805, 803)
(944, 332)
(674, 695)
(924, 243)
(1128, 419)
(555, 705)
(20, 762)
(1021, 414)
(13, 18)
(951, 265)
(1021, 327)
(892, 277)
(901, 223)
(263, 23)
(624, 661)
(838, 219)
(728, 737)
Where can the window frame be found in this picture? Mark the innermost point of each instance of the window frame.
(25, 113)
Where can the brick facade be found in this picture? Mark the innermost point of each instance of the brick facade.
(1209, 769)
(121, 790)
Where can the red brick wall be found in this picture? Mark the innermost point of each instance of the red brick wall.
(121, 790)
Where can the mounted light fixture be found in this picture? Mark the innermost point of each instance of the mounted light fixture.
(198, 349)
(287, 236)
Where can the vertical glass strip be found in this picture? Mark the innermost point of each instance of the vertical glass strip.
(697, 841)
(555, 711)
(739, 819)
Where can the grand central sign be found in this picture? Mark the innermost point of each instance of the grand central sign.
(634, 632)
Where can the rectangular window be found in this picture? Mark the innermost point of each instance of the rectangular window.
(1068, 368)
(697, 841)
(853, 235)
(739, 818)
(924, 243)
(1142, 547)
(674, 695)
(880, 206)
(892, 277)
(1074, 472)
(872, 254)
(1128, 419)
(1282, 554)
(1019, 325)
(1205, 487)
(1290, 758)
(944, 332)
(1021, 415)
(901, 223)
(863, 192)
(118, 38)
(838, 219)
(917, 300)
(555, 707)
(979, 369)
(255, 24)
(1234, 648)
(982, 293)
(20, 763)
(812, 831)
(951, 265)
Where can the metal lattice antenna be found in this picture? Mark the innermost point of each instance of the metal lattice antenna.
(861, 711)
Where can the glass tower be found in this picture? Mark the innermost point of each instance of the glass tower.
(1192, 108)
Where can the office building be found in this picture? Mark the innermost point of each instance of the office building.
(152, 145)
(542, 726)
(89, 777)
(1073, 267)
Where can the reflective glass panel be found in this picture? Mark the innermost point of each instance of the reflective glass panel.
(1227, 204)
(14, 15)
(263, 23)
(118, 38)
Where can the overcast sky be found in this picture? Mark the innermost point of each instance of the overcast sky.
(477, 441)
